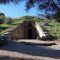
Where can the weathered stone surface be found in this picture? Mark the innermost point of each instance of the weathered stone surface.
(25, 30)
(29, 30)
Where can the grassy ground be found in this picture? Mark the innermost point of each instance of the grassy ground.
(5, 27)
(53, 27)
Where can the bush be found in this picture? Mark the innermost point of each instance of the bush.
(2, 16)
(8, 20)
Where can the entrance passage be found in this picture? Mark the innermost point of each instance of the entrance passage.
(30, 30)
(29, 33)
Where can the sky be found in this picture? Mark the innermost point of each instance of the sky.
(11, 10)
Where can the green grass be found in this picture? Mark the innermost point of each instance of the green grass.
(53, 27)
(6, 27)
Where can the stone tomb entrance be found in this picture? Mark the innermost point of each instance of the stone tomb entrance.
(30, 35)
(25, 30)
(30, 30)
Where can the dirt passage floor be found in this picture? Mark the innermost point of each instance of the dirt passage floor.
(17, 51)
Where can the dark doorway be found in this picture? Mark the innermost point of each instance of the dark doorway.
(29, 33)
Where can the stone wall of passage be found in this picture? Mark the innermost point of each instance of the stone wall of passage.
(17, 32)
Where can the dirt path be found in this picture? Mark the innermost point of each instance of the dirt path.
(15, 50)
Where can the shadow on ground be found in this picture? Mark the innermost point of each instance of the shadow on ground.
(12, 58)
(33, 50)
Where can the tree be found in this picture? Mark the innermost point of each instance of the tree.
(48, 6)
(8, 20)
(8, 1)
(2, 17)
(2, 14)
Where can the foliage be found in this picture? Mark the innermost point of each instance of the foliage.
(2, 16)
(46, 5)
(57, 16)
(3, 28)
(8, 1)
(31, 18)
(4, 19)
(53, 27)
(8, 20)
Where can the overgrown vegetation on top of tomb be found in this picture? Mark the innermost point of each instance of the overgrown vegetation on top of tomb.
(51, 25)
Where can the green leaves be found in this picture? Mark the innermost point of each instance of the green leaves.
(9, 1)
